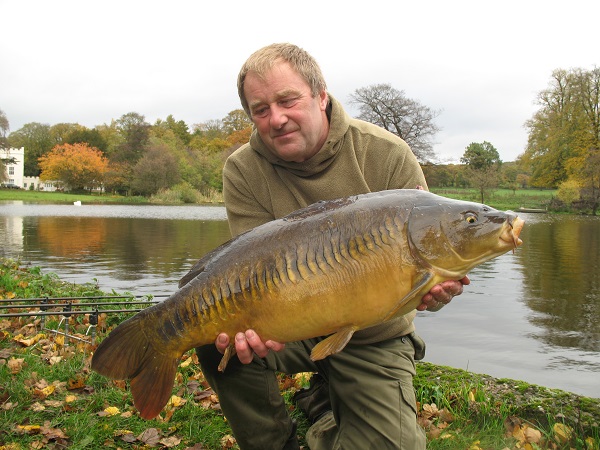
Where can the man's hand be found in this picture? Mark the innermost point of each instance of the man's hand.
(247, 344)
(442, 293)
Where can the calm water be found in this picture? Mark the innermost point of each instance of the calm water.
(533, 315)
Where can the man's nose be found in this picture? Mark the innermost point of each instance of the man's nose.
(278, 117)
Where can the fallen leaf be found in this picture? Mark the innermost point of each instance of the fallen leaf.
(28, 429)
(562, 433)
(171, 441)
(150, 437)
(54, 403)
(110, 411)
(32, 340)
(176, 401)
(55, 360)
(37, 407)
(44, 392)
(187, 362)
(227, 441)
(16, 365)
(52, 433)
(532, 435)
(76, 383)
(471, 396)
(7, 406)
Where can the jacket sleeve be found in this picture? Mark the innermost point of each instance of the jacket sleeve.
(244, 212)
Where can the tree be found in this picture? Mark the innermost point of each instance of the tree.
(387, 107)
(156, 170)
(179, 128)
(4, 127)
(236, 120)
(77, 166)
(483, 166)
(565, 131)
(37, 141)
(135, 132)
(84, 135)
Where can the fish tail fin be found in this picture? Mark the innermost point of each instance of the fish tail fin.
(127, 354)
(152, 386)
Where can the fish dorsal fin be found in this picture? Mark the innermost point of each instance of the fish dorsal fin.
(408, 297)
(332, 344)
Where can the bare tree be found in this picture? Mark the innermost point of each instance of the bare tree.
(389, 108)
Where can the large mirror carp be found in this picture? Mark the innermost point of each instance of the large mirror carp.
(329, 269)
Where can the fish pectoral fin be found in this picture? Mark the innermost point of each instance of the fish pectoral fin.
(229, 352)
(404, 305)
(332, 344)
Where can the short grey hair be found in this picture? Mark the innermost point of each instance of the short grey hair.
(261, 61)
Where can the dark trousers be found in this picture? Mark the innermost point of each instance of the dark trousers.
(370, 388)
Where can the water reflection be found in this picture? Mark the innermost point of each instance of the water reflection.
(144, 255)
(562, 280)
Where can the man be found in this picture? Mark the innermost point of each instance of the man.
(305, 148)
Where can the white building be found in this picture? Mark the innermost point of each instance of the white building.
(15, 171)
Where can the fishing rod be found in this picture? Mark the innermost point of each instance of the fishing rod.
(71, 307)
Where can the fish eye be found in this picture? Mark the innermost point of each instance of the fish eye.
(470, 218)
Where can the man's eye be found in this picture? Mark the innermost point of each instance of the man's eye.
(288, 102)
(260, 112)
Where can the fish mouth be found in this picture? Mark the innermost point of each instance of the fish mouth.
(510, 233)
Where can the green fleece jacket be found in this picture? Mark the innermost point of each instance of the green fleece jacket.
(357, 157)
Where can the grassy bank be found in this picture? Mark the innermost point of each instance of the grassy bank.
(67, 198)
(177, 195)
(49, 397)
(502, 199)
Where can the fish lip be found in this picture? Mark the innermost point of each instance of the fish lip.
(512, 230)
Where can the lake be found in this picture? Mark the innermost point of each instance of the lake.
(532, 315)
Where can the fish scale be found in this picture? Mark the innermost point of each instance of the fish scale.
(330, 269)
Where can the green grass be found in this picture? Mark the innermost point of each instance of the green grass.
(64, 197)
(502, 199)
(459, 409)
(178, 195)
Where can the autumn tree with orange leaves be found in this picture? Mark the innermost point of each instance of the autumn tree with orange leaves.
(76, 166)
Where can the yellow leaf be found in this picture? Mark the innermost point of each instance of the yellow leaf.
(471, 397)
(29, 342)
(475, 446)
(28, 429)
(111, 411)
(44, 392)
(176, 401)
(70, 398)
(121, 432)
(187, 362)
(562, 433)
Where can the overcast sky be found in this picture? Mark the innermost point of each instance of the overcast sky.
(481, 63)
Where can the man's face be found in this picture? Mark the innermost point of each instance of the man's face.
(290, 121)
